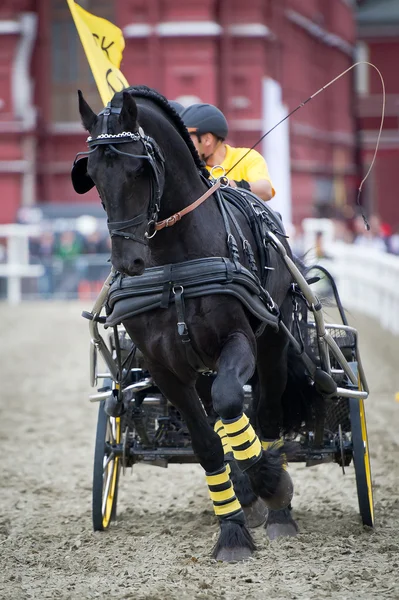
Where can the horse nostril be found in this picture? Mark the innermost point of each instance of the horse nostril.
(137, 267)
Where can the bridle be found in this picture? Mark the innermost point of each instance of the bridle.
(152, 153)
(82, 182)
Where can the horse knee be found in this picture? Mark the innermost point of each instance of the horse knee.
(227, 395)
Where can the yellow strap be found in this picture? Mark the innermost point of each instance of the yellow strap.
(254, 450)
(237, 426)
(223, 436)
(218, 426)
(237, 448)
(276, 443)
(227, 508)
(224, 495)
(241, 438)
(217, 479)
(227, 449)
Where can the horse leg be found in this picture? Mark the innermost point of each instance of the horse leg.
(272, 372)
(254, 508)
(235, 542)
(264, 467)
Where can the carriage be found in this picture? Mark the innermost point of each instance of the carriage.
(218, 296)
(152, 431)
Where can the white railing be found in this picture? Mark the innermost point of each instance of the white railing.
(367, 279)
(17, 264)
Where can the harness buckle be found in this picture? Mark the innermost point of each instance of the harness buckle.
(220, 169)
(182, 328)
(177, 288)
(147, 233)
(170, 221)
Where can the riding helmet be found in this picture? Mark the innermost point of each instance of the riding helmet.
(205, 118)
(177, 106)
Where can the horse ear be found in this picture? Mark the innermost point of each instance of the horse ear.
(89, 118)
(128, 116)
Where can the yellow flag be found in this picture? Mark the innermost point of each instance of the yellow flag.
(103, 44)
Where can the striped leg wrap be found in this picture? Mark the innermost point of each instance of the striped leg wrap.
(244, 442)
(277, 444)
(221, 491)
(227, 449)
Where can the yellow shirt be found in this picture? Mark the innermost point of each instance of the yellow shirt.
(252, 168)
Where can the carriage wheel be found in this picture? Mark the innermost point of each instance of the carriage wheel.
(361, 460)
(106, 470)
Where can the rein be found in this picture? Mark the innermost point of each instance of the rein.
(173, 219)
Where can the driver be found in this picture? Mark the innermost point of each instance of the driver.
(208, 129)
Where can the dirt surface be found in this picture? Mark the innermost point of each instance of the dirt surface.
(159, 549)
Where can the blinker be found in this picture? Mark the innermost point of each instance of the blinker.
(81, 181)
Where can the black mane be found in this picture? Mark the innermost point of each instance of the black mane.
(143, 91)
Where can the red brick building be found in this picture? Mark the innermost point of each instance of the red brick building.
(218, 51)
(378, 34)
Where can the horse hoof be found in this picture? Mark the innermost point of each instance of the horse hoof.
(233, 554)
(276, 530)
(255, 514)
(283, 494)
(280, 524)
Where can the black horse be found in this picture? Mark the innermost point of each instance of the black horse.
(146, 169)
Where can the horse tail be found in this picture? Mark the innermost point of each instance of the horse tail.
(300, 394)
(299, 397)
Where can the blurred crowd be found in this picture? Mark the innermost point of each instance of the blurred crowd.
(67, 245)
(74, 262)
(74, 254)
(380, 235)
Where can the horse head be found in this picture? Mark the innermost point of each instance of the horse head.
(127, 168)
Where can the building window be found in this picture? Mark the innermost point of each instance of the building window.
(324, 197)
(70, 69)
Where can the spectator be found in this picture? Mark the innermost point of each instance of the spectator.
(69, 246)
(68, 249)
(42, 251)
(94, 243)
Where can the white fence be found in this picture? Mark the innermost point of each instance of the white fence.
(16, 266)
(367, 279)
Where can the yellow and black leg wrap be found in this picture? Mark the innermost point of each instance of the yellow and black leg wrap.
(227, 449)
(246, 446)
(221, 491)
(266, 444)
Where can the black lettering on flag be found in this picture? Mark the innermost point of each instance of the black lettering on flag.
(102, 45)
(108, 75)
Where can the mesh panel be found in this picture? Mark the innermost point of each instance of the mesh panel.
(337, 410)
(344, 339)
(337, 413)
